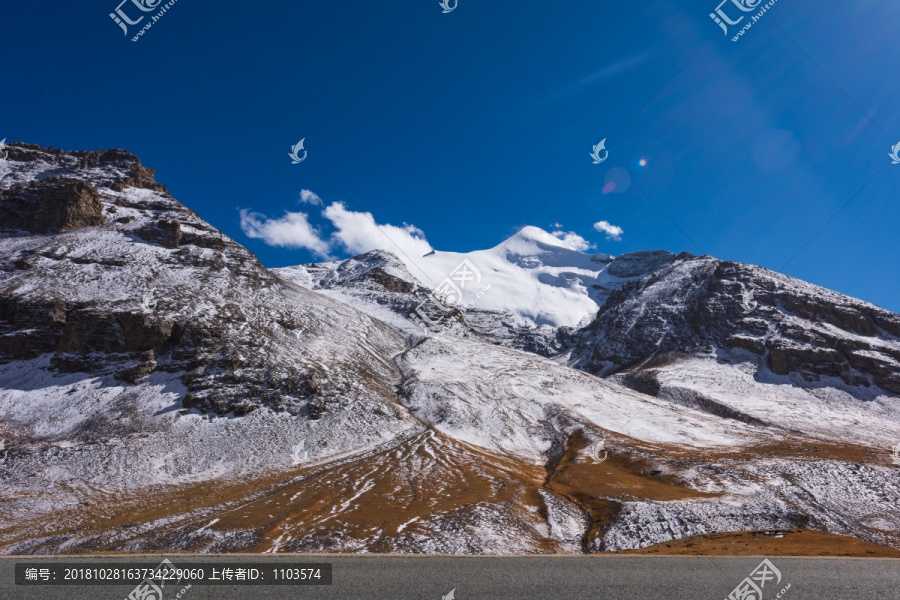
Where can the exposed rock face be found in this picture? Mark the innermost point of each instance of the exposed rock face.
(163, 232)
(117, 168)
(44, 320)
(139, 371)
(693, 305)
(640, 263)
(50, 205)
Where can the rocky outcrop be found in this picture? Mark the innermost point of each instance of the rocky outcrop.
(29, 328)
(118, 168)
(134, 373)
(701, 305)
(634, 264)
(164, 232)
(50, 205)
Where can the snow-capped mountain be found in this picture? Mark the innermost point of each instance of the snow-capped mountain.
(379, 284)
(528, 292)
(533, 276)
(157, 386)
(681, 327)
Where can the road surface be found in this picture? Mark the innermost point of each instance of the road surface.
(392, 577)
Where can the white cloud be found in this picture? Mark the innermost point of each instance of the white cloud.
(613, 232)
(290, 231)
(310, 197)
(358, 233)
(574, 241)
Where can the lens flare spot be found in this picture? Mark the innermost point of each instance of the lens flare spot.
(617, 181)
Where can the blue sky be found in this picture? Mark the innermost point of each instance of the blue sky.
(772, 150)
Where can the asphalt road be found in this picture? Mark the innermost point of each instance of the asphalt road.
(483, 578)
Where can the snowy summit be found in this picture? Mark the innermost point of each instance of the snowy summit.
(535, 277)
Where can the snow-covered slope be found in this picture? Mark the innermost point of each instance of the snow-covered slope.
(792, 355)
(171, 420)
(141, 347)
(522, 405)
(670, 326)
(379, 284)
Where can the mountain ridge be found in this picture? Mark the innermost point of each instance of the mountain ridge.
(155, 378)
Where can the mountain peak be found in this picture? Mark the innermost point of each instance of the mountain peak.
(530, 239)
(535, 233)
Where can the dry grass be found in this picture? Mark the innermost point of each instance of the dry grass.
(599, 488)
(379, 502)
(793, 542)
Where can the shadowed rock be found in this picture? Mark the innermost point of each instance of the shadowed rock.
(51, 205)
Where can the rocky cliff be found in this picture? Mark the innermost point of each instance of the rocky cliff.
(785, 326)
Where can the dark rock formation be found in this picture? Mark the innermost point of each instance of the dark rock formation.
(640, 263)
(694, 305)
(163, 232)
(50, 205)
